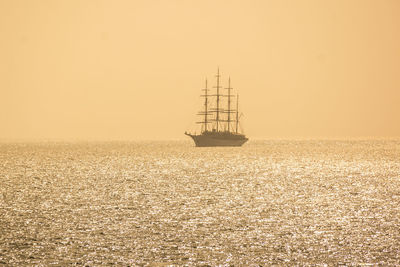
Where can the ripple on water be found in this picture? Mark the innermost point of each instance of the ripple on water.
(269, 202)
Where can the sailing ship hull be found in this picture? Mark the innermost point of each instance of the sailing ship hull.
(212, 141)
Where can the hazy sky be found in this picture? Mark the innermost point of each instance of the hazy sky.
(80, 69)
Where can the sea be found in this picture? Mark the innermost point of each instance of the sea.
(168, 203)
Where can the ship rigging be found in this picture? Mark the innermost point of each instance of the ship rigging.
(217, 122)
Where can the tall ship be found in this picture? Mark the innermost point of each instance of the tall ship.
(219, 125)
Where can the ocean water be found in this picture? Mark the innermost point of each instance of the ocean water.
(169, 203)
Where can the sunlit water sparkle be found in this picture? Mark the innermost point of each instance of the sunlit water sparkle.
(139, 203)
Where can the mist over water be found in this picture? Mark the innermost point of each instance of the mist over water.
(137, 203)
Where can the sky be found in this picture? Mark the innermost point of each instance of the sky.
(133, 70)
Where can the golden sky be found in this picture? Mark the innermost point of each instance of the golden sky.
(107, 70)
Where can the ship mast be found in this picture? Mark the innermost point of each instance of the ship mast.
(217, 110)
(237, 112)
(229, 103)
(205, 112)
(205, 107)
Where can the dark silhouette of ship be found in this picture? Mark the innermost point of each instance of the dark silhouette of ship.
(218, 126)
